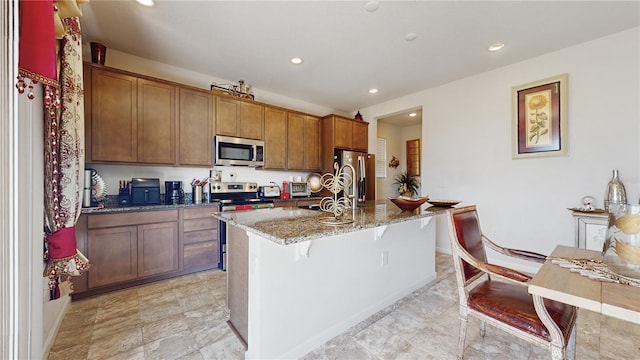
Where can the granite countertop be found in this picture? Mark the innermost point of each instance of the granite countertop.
(110, 209)
(290, 225)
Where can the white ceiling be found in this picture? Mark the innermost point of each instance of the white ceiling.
(346, 49)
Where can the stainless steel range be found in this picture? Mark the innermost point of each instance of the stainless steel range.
(235, 196)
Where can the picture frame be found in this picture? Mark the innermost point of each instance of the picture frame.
(539, 121)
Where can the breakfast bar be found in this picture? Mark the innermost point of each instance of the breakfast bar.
(294, 283)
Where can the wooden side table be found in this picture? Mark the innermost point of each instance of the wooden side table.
(590, 229)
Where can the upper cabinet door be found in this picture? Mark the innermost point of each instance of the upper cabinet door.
(312, 155)
(360, 136)
(295, 141)
(251, 120)
(227, 116)
(114, 126)
(156, 122)
(343, 133)
(275, 138)
(195, 127)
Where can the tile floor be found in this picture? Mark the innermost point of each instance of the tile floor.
(184, 318)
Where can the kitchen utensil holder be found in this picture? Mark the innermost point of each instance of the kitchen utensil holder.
(197, 194)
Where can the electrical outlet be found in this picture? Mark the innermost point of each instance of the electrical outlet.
(385, 258)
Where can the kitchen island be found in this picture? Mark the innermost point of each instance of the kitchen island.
(295, 283)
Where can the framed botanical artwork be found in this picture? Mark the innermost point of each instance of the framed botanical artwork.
(539, 125)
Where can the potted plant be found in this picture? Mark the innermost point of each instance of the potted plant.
(407, 184)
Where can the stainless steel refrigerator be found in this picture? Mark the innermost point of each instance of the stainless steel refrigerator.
(358, 188)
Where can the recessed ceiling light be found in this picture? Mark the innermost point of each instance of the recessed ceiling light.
(296, 60)
(413, 114)
(496, 47)
(371, 6)
(145, 2)
(373, 91)
(410, 36)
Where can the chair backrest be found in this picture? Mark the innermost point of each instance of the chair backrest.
(465, 234)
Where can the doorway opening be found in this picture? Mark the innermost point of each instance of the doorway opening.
(402, 134)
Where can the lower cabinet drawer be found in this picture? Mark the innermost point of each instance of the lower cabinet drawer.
(201, 224)
(200, 254)
(192, 237)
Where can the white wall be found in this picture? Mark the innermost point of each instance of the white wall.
(113, 173)
(523, 203)
(124, 61)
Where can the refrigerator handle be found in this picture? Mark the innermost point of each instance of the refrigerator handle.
(361, 177)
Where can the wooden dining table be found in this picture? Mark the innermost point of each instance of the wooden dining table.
(607, 298)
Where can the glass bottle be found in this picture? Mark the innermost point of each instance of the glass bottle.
(616, 193)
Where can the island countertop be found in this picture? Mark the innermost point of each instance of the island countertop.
(290, 225)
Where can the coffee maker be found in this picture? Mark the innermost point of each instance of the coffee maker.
(173, 193)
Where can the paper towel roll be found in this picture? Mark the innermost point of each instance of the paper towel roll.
(86, 198)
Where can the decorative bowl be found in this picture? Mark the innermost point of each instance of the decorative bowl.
(408, 203)
(443, 203)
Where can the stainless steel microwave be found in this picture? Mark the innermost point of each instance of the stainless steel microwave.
(230, 150)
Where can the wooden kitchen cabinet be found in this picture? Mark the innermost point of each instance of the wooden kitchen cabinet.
(360, 140)
(157, 248)
(123, 248)
(275, 138)
(138, 247)
(200, 237)
(239, 118)
(113, 113)
(124, 253)
(342, 133)
(251, 120)
(113, 253)
(303, 142)
(227, 116)
(156, 122)
(195, 127)
(312, 154)
(129, 119)
(295, 141)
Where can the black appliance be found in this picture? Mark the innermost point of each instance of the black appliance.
(173, 193)
(145, 191)
(234, 196)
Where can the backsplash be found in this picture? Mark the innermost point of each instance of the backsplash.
(111, 201)
(112, 174)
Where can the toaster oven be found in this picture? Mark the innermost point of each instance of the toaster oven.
(297, 188)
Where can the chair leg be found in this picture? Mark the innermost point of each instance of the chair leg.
(483, 328)
(463, 334)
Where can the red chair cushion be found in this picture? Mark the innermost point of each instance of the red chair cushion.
(513, 305)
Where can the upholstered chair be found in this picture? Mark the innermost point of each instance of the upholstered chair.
(498, 295)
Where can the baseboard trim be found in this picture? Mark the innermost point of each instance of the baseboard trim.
(51, 337)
